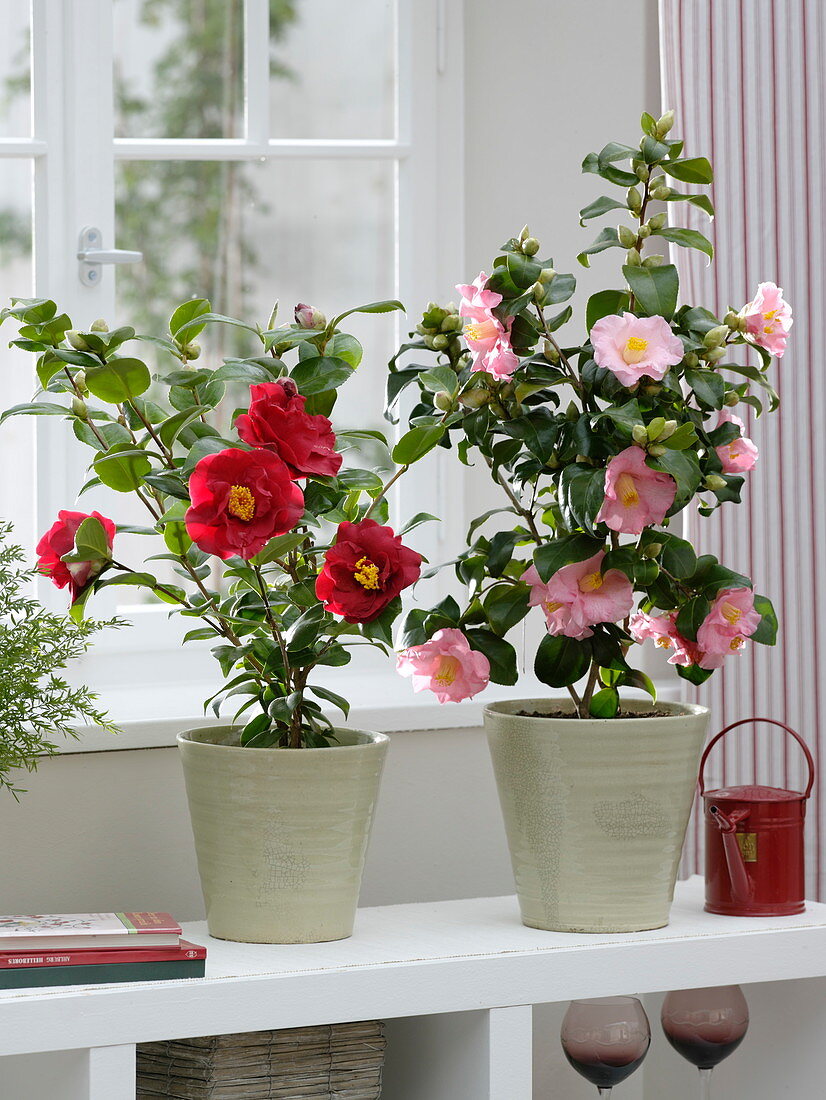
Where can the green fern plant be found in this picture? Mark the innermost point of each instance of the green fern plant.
(36, 703)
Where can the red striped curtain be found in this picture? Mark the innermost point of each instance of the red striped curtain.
(747, 79)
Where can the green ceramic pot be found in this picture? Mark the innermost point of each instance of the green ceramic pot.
(281, 834)
(595, 810)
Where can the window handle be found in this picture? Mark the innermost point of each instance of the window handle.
(91, 255)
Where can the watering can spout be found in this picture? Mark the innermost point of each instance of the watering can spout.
(738, 876)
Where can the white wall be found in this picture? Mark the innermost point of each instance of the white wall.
(547, 81)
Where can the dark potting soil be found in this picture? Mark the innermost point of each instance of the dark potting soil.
(568, 714)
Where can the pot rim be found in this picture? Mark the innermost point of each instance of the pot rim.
(679, 711)
(374, 739)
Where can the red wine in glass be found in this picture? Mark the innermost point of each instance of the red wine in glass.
(606, 1039)
(705, 1026)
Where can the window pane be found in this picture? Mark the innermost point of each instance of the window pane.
(333, 69)
(17, 434)
(179, 68)
(15, 67)
(244, 235)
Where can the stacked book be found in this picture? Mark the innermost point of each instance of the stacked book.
(42, 949)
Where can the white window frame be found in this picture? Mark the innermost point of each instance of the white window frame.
(74, 153)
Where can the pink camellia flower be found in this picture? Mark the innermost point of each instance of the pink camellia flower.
(662, 630)
(635, 346)
(635, 495)
(447, 666)
(579, 595)
(487, 337)
(768, 318)
(731, 620)
(738, 455)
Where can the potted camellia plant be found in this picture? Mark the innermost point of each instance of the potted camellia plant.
(285, 561)
(597, 449)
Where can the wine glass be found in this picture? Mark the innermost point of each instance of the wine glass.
(606, 1039)
(705, 1026)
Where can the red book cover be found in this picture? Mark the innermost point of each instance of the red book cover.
(90, 957)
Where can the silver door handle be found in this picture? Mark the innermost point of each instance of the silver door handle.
(91, 256)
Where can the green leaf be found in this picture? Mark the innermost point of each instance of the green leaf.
(686, 238)
(684, 437)
(551, 556)
(766, 632)
(691, 617)
(328, 696)
(604, 703)
(678, 558)
(501, 654)
(414, 444)
(122, 467)
(278, 547)
(36, 408)
(581, 495)
(171, 428)
(653, 150)
(185, 314)
(168, 485)
(415, 521)
(238, 370)
(702, 202)
(560, 289)
(637, 679)
(603, 304)
(505, 605)
(561, 661)
(305, 629)
(598, 207)
(91, 543)
(684, 468)
(692, 170)
(119, 380)
(626, 416)
(197, 324)
(439, 379)
(708, 386)
(754, 374)
(387, 306)
(608, 238)
(655, 289)
(624, 558)
(344, 346)
(694, 674)
(648, 124)
(322, 372)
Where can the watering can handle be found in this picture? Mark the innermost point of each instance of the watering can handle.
(771, 722)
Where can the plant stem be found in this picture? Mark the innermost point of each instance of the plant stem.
(278, 638)
(524, 512)
(575, 697)
(585, 705)
(388, 485)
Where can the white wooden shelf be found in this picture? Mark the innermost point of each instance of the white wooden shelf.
(467, 960)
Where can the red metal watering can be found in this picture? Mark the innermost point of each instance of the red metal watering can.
(754, 843)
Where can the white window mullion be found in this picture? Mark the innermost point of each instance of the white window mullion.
(257, 72)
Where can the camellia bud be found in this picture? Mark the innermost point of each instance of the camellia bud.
(716, 336)
(439, 342)
(507, 390)
(538, 291)
(691, 360)
(656, 450)
(524, 234)
(572, 412)
(652, 549)
(657, 221)
(99, 326)
(639, 433)
(627, 237)
(192, 351)
(668, 430)
(731, 320)
(714, 355)
(550, 352)
(498, 410)
(731, 399)
(633, 258)
(715, 482)
(645, 231)
(443, 401)
(79, 379)
(309, 317)
(429, 342)
(76, 340)
(634, 199)
(660, 189)
(451, 323)
(474, 399)
(651, 389)
(642, 173)
(664, 124)
(653, 261)
(530, 246)
(79, 407)
(546, 275)
(655, 428)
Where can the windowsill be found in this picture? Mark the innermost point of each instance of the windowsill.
(380, 701)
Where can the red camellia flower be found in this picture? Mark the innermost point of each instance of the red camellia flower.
(240, 500)
(366, 568)
(60, 540)
(277, 421)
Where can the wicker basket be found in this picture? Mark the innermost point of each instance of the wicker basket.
(335, 1062)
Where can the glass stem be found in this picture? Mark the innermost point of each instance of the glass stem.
(705, 1084)
(606, 1092)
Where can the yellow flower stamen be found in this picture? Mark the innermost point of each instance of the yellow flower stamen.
(241, 503)
(367, 574)
(737, 643)
(592, 582)
(627, 491)
(549, 607)
(664, 642)
(635, 349)
(731, 613)
(481, 330)
(447, 669)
